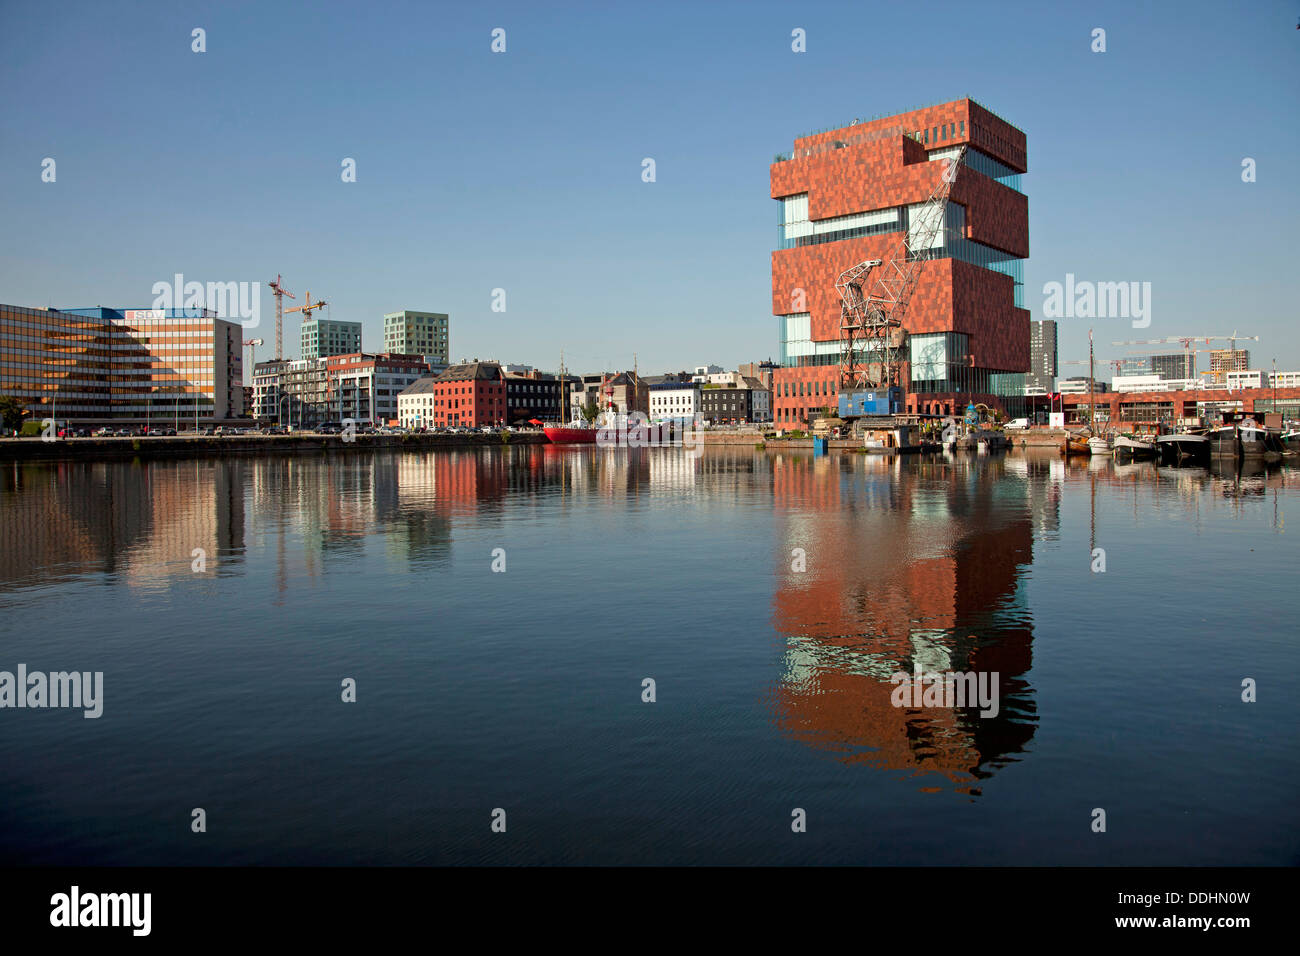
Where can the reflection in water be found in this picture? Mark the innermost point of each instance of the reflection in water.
(143, 521)
(908, 566)
(774, 681)
(139, 522)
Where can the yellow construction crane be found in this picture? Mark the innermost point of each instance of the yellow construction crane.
(309, 308)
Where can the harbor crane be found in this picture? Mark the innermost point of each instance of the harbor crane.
(871, 325)
(277, 287)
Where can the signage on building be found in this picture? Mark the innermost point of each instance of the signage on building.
(141, 315)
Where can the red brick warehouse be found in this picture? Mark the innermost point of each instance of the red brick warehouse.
(848, 195)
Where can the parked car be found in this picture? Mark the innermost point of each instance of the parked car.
(331, 428)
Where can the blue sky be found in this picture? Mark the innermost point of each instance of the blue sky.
(522, 170)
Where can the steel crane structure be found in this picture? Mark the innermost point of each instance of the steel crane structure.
(872, 324)
(1186, 341)
(251, 345)
(280, 292)
(308, 308)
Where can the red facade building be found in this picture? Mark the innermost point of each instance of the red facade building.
(850, 194)
(470, 395)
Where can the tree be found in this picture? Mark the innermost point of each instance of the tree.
(590, 411)
(11, 412)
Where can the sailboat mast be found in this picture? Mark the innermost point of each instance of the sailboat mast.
(1091, 385)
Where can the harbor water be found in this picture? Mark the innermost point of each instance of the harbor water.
(644, 656)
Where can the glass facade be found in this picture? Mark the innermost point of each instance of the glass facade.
(138, 365)
(951, 243)
(795, 231)
(56, 363)
(983, 163)
(941, 363)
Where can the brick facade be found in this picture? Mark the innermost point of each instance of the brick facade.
(881, 165)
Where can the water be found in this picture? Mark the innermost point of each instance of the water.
(522, 690)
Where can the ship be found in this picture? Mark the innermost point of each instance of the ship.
(1191, 447)
(574, 433)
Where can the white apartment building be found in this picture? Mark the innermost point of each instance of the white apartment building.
(415, 403)
(675, 401)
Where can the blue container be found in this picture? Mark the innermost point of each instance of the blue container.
(821, 446)
(882, 401)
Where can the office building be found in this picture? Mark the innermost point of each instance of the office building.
(173, 366)
(1042, 357)
(1176, 367)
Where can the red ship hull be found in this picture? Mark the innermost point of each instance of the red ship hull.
(571, 436)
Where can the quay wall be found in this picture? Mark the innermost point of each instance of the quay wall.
(127, 449)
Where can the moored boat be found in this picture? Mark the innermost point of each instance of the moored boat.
(1099, 445)
(1224, 442)
(1258, 441)
(1075, 445)
(1183, 448)
(1131, 447)
(574, 433)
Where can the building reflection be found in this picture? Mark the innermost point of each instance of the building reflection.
(142, 523)
(908, 566)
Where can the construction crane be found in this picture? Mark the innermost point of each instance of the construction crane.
(873, 324)
(1113, 363)
(251, 345)
(307, 309)
(280, 292)
(1186, 341)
